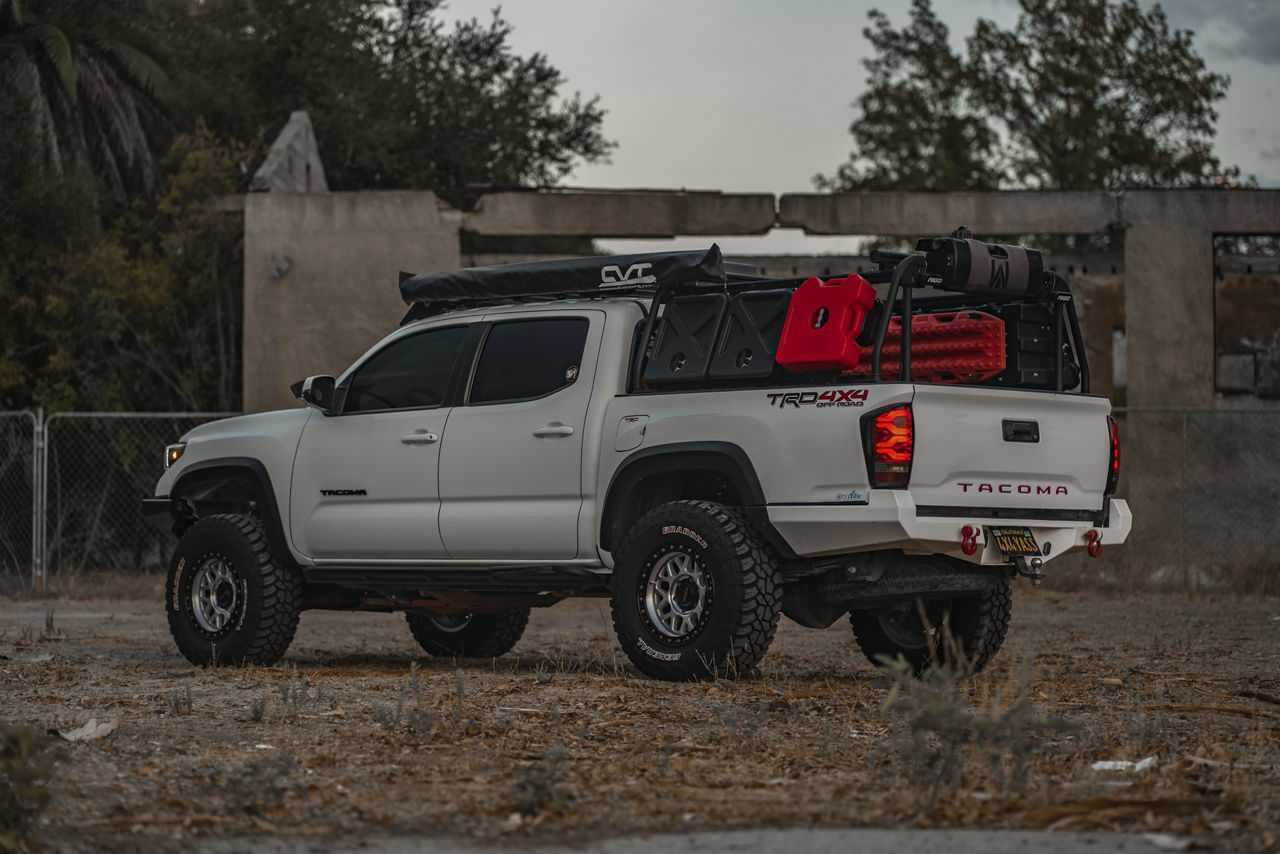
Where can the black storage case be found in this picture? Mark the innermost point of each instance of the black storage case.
(1029, 345)
(749, 336)
(684, 339)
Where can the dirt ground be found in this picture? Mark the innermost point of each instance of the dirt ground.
(359, 734)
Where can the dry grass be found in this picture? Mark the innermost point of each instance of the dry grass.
(562, 739)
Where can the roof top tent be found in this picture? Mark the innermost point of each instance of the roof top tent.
(973, 275)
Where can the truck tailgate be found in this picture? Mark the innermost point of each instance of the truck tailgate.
(1034, 454)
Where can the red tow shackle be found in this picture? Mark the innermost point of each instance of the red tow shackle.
(969, 539)
(1094, 538)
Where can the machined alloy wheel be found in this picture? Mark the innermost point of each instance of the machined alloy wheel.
(450, 622)
(677, 595)
(215, 594)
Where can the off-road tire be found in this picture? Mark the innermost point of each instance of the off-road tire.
(480, 636)
(975, 622)
(258, 596)
(740, 602)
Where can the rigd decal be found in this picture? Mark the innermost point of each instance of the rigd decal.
(851, 495)
(661, 656)
(841, 397)
(677, 529)
(343, 492)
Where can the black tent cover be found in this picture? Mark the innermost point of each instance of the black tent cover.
(431, 293)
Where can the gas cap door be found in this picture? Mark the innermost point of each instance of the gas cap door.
(630, 432)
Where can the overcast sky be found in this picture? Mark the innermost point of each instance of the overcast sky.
(755, 95)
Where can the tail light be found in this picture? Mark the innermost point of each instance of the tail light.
(1113, 473)
(889, 438)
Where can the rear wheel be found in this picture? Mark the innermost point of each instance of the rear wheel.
(469, 635)
(960, 632)
(695, 593)
(228, 600)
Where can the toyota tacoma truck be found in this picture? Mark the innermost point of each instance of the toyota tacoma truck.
(707, 448)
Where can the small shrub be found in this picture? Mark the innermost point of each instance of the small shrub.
(937, 733)
(180, 703)
(258, 708)
(293, 695)
(542, 787)
(253, 786)
(28, 763)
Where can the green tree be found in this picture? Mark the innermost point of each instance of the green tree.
(397, 99)
(915, 130)
(149, 317)
(43, 221)
(93, 92)
(1077, 94)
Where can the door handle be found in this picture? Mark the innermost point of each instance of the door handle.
(555, 428)
(420, 437)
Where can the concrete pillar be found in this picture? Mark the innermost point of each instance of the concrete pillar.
(320, 279)
(1173, 458)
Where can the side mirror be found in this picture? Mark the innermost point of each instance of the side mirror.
(317, 392)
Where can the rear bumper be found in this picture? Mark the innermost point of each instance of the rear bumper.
(890, 521)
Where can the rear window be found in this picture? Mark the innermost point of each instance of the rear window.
(524, 359)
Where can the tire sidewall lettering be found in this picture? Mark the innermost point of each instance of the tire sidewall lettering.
(653, 653)
(680, 529)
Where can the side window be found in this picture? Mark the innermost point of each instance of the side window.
(409, 373)
(524, 359)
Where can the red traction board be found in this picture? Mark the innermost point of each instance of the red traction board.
(948, 347)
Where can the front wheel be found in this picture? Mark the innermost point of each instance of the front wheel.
(228, 600)
(469, 635)
(960, 632)
(695, 593)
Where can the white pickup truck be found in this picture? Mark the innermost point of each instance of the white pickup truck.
(707, 448)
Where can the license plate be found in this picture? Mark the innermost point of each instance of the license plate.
(1014, 541)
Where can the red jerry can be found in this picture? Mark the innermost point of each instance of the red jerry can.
(823, 323)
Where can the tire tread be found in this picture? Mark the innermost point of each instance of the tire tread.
(762, 593)
(505, 631)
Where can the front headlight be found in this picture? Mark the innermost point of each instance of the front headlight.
(173, 453)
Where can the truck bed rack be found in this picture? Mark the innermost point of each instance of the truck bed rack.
(969, 274)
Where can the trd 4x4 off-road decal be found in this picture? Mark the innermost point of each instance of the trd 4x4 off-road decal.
(820, 399)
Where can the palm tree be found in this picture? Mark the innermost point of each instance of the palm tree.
(94, 92)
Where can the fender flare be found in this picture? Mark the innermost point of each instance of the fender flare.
(247, 470)
(725, 458)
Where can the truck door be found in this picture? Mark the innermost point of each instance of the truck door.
(511, 463)
(365, 483)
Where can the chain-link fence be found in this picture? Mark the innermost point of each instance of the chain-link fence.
(1204, 486)
(98, 467)
(19, 512)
